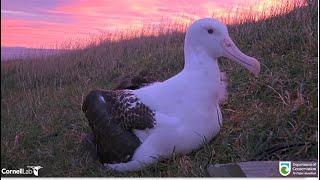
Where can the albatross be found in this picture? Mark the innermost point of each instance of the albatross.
(134, 128)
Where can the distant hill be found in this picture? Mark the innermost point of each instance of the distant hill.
(8, 53)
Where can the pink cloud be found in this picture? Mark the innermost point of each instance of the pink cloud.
(91, 18)
(30, 33)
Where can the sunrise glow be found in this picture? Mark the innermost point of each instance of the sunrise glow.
(47, 23)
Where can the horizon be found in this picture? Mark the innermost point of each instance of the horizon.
(48, 25)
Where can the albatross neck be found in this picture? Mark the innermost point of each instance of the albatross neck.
(199, 62)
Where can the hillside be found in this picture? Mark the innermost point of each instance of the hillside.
(9, 53)
(42, 122)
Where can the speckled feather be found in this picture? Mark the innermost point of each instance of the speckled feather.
(112, 116)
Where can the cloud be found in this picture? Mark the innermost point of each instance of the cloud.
(39, 22)
(19, 13)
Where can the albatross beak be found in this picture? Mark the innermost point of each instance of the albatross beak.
(232, 52)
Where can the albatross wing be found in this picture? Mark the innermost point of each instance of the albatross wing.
(112, 116)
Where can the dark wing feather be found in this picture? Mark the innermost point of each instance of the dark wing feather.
(112, 115)
(128, 111)
(142, 79)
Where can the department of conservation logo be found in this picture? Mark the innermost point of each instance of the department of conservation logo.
(284, 168)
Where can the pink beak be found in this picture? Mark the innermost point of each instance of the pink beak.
(232, 52)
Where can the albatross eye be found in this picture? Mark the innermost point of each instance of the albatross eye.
(210, 31)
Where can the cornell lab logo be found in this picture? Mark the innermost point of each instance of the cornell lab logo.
(35, 169)
(285, 168)
(21, 171)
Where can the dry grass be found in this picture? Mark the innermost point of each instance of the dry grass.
(42, 122)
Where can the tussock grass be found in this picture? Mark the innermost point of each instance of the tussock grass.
(42, 122)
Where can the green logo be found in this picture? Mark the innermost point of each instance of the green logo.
(285, 168)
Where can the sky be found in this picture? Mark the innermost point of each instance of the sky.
(48, 23)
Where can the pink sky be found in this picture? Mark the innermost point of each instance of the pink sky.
(46, 23)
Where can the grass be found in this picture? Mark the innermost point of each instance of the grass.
(42, 122)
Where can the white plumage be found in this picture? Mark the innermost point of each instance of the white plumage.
(186, 106)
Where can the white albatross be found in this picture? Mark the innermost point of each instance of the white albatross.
(185, 107)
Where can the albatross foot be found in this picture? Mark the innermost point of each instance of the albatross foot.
(130, 166)
(113, 167)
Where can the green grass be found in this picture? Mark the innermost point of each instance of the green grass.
(42, 122)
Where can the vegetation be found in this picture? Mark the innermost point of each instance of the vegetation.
(42, 122)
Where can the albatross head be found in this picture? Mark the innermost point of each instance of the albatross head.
(212, 38)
